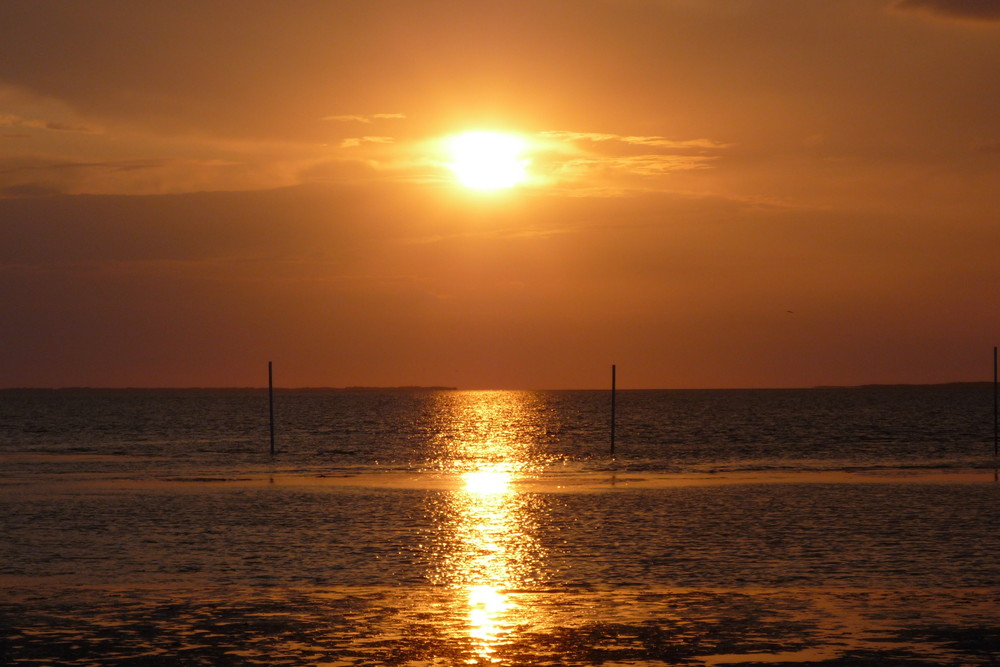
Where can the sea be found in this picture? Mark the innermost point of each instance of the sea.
(429, 526)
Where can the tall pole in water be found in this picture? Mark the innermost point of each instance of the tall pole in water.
(612, 409)
(270, 403)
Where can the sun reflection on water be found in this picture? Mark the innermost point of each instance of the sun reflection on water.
(485, 528)
(488, 609)
(487, 482)
(490, 555)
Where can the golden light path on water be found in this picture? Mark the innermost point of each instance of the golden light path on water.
(486, 526)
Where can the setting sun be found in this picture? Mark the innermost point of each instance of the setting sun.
(488, 160)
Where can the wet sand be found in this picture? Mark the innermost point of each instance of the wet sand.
(559, 569)
(374, 626)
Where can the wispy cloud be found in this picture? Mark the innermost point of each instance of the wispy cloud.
(353, 142)
(976, 10)
(603, 164)
(27, 190)
(35, 176)
(659, 142)
(14, 121)
(640, 165)
(360, 118)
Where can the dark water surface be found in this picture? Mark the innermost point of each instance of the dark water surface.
(438, 528)
(149, 432)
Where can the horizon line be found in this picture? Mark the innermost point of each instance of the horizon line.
(403, 388)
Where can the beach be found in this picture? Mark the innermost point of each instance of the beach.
(583, 569)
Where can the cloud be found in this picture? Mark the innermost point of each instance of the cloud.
(659, 142)
(640, 165)
(976, 10)
(27, 190)
(604, 164)
(55, 126)
(14, 121)
(28, 176)
(357, 141)
(356, 118)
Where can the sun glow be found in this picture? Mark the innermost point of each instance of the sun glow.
(488, 160)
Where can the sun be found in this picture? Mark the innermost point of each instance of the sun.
(488, 160)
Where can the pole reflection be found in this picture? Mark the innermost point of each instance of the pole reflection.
(486, 549)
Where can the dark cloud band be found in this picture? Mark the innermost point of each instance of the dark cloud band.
(982, 10)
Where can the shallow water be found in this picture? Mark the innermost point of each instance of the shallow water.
(156, 432)
(147, 534)
(759, 535)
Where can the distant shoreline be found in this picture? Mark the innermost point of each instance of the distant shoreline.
(420, 388)
(404, 388)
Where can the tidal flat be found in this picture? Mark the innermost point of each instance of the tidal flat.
(484, 568)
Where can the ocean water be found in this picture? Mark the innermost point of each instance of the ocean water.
(157, 432)
(832, 526)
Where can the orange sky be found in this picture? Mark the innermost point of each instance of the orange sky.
(723, 193)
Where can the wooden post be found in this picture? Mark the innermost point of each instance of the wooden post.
(996, 419)
(270, 403)
(612, 410)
